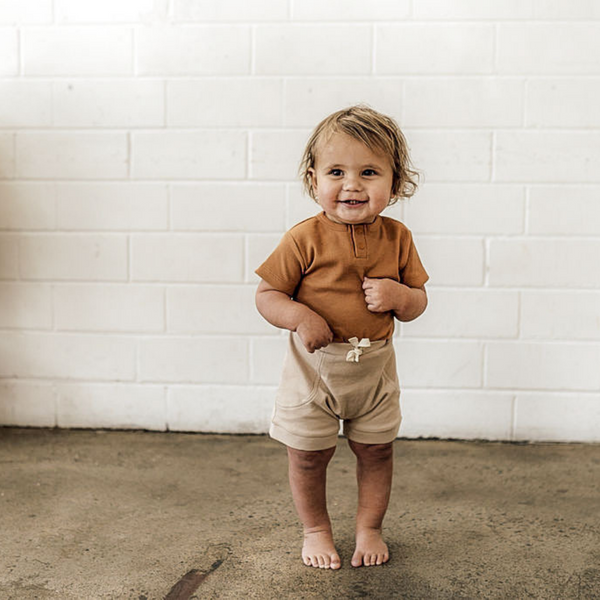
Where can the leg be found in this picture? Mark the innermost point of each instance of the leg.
(308, 474)
(374, 467)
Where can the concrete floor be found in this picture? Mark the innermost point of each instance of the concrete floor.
(139, 515)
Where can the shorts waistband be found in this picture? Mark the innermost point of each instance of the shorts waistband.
(342, 348)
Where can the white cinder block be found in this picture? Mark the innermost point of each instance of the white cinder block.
(72, 155)
(548, 263)
(87, 51)
(123, 406)
(9, 257)
(467, 102)
(112, 206)
(467, 314)
(313, 49)
(242, 102)
(309, 100)
(242, 207)
(187, 257)
(566, 102)
(558, 417)
(566, 315)
(434, 48)
(259, 248)
(109, 103)
(545, 157)
(208, 154)
(107, 11)
(67, 356)
(548, 48)
(194, 360)
(466, 209)
(451, 156)
(472, 9)
(575, 9)
(9, 51)
(266, 358)
(300, 206)
(542, 366)
(466, 414)
(452, 261)
(350, 10)
(26, 404)
(443, 364)
(32, 12)
(109, 308)
(72, 256)
(25, 306)
(7, 152)
(220, 409)
(25, 104)
(28, 205)
(230, 10)
(195, 50)
(275, 155)
(564, 210)
(214, 310)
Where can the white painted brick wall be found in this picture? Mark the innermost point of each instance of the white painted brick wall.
(148, 164)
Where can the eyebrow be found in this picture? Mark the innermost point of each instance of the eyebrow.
(367, 166)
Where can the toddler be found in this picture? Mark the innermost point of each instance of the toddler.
(336, 281)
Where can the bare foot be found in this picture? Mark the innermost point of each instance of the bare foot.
(370, 548)
(319, 551)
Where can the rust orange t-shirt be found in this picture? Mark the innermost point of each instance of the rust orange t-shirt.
(321, 264)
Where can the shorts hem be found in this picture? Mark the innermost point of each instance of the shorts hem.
(302, 443)
(365, 437)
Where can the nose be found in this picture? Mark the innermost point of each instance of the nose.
(351, 183)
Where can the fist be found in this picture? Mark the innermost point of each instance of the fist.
(381, 295)
(314, 332)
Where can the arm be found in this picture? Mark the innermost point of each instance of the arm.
(383, 295)
(280, 310)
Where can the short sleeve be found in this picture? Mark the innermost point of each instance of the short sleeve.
(285, 266)
(412, 271)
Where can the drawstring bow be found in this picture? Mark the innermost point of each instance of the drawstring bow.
(354, 354)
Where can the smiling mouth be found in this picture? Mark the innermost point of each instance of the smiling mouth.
(353, 202)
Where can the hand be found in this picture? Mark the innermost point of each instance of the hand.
(383, 295)
(314, 332)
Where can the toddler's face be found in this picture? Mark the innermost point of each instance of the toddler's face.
(353, 184)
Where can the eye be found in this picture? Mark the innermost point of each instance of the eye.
(369, 172)
(336, 172)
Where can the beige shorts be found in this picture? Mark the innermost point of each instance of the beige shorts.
(319, 389)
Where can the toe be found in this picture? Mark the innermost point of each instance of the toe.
(321, 560)
(356, 560)
(306, 560)
(314, 561)
(336, 563)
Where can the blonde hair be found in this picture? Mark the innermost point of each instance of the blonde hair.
(378, 132)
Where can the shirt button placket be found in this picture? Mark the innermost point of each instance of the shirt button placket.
(360, 240)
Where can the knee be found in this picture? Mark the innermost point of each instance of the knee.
(375, 453)
(308, 460)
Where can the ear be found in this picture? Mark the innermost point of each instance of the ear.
(313, 179)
